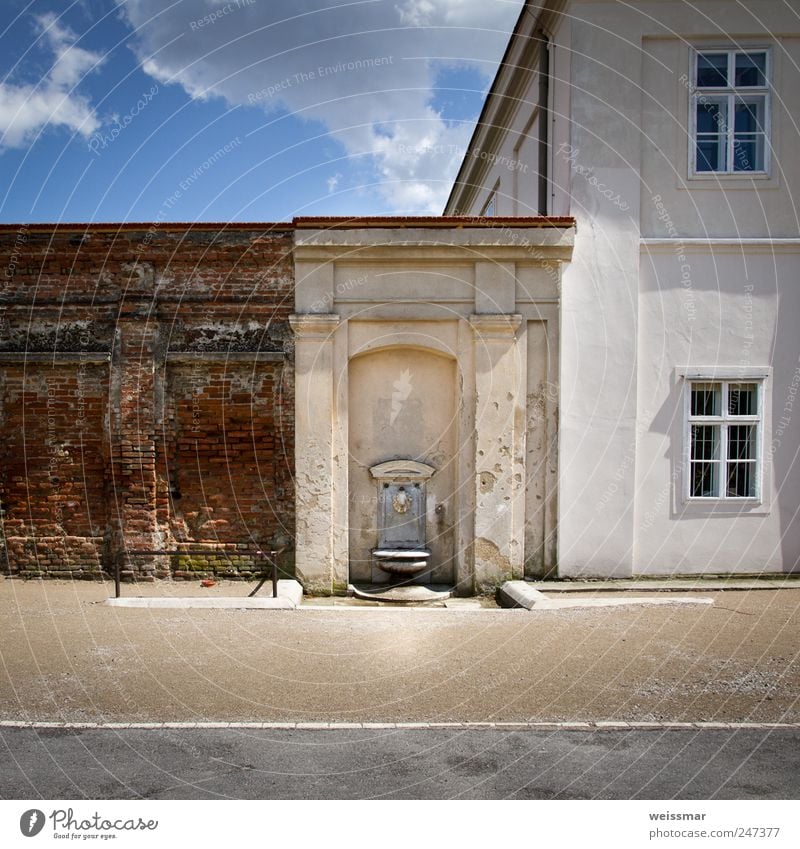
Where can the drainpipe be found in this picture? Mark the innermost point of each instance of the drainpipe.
(544, 120)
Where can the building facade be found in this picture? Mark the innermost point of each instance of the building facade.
(588, 367)
(667, 131)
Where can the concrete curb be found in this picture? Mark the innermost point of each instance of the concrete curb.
(523, 594)
(290, 596)
(672, 585)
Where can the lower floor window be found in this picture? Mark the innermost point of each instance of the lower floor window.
(724, 436)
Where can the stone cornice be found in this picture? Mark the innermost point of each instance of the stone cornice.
(314, 324)
(512, 241)
(743, 245)
(501, 326)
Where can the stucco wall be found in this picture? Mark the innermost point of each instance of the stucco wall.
(739, 314)
(620, 166)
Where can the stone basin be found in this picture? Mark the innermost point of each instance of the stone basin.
(402, 561)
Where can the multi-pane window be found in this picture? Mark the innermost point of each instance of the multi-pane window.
(730, 105)
(724, 435)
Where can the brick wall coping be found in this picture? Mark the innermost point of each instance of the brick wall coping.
(302, 223)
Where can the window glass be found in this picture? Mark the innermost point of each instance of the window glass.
(705, 442)
(742, 442)
(750, 69)
(705, 480)
(712, 139)
(712, 70)
(706, 399)
(748, 115)
(742, 399)
(741, 480)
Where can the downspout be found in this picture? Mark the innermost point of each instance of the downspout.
(544, 121)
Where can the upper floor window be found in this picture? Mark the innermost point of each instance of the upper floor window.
(730, 111)
(490, 207)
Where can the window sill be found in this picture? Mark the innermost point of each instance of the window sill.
(712, 499)
(714, 507)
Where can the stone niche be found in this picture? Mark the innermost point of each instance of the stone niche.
(433, 345)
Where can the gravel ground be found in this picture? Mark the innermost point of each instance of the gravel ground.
(67, 657)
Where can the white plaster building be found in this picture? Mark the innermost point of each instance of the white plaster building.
(603, 377)
(669, 131)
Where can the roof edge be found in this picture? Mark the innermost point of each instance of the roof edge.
(114, 227)
(529, 21)
(429, 221)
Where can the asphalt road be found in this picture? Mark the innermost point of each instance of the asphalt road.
(399, 763)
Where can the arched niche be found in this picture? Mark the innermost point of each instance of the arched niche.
(402, 410)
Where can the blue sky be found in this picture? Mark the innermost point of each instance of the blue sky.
(237, 110)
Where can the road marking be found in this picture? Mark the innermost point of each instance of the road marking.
(599, 725)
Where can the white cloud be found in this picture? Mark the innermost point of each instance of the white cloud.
(366, 70)
(26, 109)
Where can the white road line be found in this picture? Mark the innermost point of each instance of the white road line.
(367, 726)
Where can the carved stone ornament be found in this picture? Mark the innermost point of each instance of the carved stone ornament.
(401, 502)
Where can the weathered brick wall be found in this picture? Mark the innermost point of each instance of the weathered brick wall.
(54, 457)
(224, 457)
(155, 349)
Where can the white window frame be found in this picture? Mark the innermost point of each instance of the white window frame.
(490, 207)
(730, 93)
(724, 420)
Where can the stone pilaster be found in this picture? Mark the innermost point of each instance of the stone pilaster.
(499, 442)
(315, 479)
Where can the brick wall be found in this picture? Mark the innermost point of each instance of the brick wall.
(146, 396)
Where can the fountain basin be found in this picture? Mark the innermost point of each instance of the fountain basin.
(401, 561)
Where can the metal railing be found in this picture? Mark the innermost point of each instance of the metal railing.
(266, 556)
